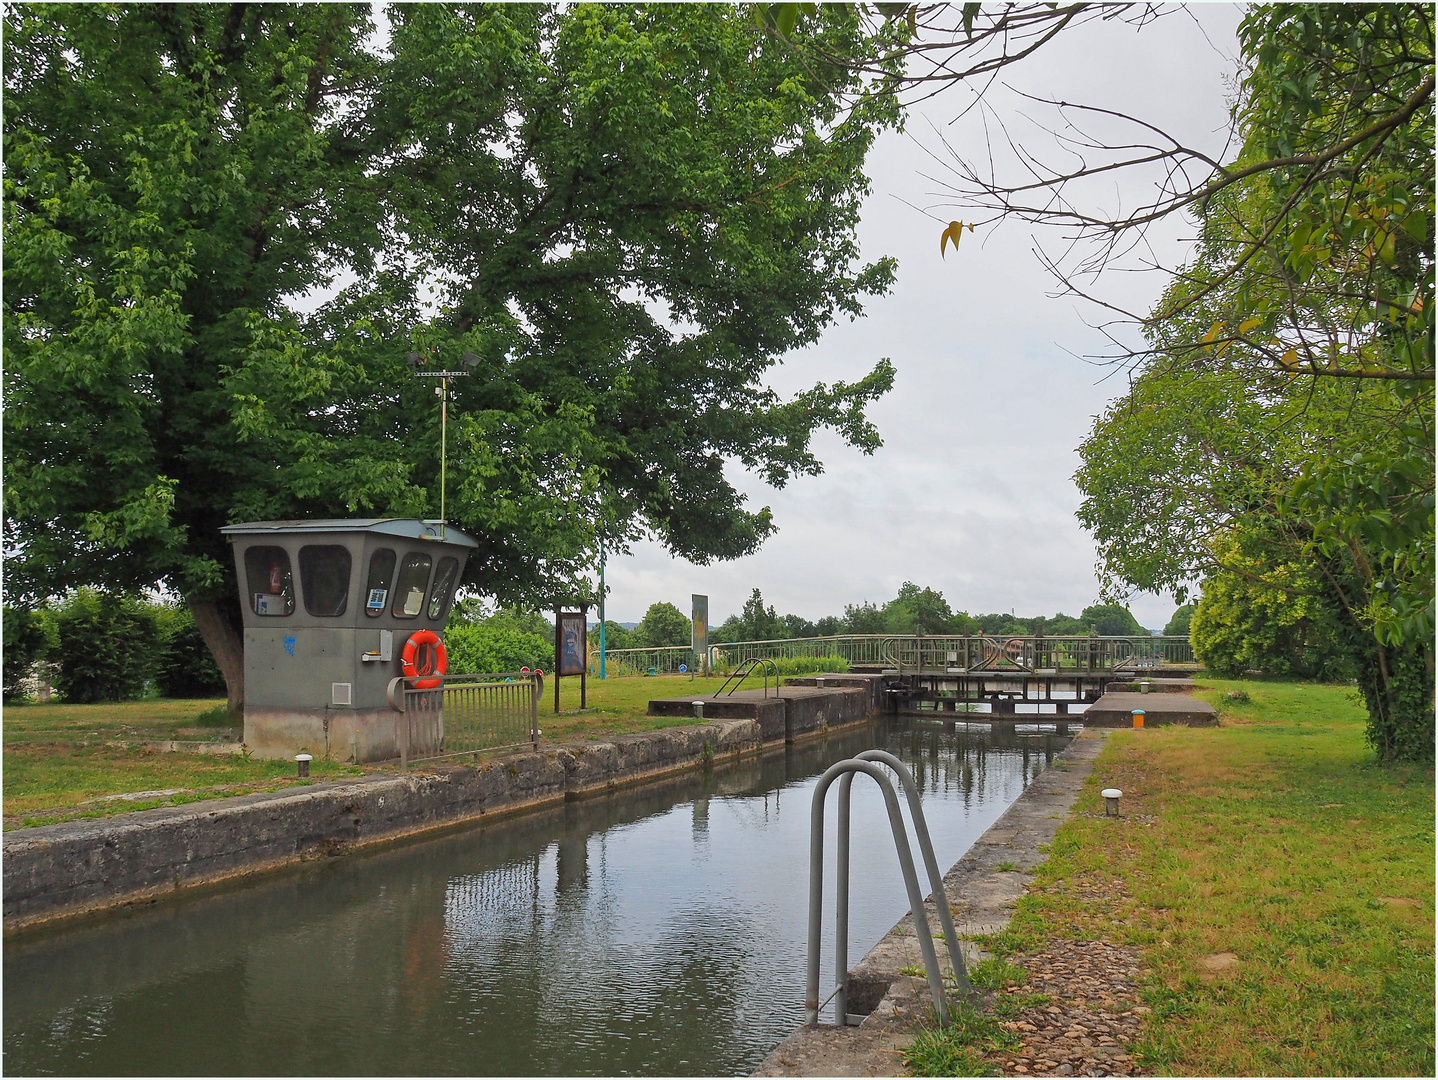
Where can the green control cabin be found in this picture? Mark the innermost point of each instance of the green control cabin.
(328, 607)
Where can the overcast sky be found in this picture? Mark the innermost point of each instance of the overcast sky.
(972, 492)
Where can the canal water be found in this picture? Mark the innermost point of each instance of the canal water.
(658, 931)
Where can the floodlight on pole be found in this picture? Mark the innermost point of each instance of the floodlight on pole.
(416, 363)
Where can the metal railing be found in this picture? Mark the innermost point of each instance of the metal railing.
(855, 648)
(919, 652)
(1035, 654)
(662, 661)
(466, 714)
(744, 670)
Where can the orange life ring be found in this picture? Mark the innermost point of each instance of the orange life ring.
(425, 667)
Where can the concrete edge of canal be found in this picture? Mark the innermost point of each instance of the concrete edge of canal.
(982, 898)
(79, 868)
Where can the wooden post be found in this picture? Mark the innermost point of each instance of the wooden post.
(558, 655)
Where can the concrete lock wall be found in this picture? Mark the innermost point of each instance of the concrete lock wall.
(67, 869)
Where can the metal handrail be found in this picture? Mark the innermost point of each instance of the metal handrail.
(1069, 652)
(1037, 653)
(926, 849)
(816, 894)
(742, 672)
(1033, 654)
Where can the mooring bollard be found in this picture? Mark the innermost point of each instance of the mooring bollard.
(1111, 796)
(304, 760)
(699, 709)
(1138, 715)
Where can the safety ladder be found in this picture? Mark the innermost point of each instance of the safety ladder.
(869, 763)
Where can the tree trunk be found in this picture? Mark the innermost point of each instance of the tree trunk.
(224, 636)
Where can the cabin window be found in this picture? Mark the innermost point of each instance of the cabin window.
(271, 586)
(377, 584)
(325, 578)
(409, 590)
(443, 583)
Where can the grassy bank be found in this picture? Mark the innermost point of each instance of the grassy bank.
(1278, 881)
(66, 761)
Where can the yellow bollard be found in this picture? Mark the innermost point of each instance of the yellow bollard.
(1138, 717)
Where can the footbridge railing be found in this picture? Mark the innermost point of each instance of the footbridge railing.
(975, 652)
(1033, 653)
(1036, 654)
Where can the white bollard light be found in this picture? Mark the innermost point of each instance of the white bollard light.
(699, 709)
(304, 760)
(1111, 796)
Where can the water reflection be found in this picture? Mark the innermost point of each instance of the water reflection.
(657, 931)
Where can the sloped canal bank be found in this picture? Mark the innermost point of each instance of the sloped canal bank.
(657, 931)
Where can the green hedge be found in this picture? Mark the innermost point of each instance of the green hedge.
(26, 641)
(474, 649)
(106, 645)
(185, 668)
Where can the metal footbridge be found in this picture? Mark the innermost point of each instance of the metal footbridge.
(993, 674)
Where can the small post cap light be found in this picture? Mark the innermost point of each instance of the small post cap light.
(304, 761)
(1111, 796)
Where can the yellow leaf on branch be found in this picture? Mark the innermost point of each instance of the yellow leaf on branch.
(953, 232)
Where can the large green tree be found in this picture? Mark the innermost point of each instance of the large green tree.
(617, 218)
(1279, 437)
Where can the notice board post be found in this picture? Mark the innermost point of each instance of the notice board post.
(700, 640)
(571, 649)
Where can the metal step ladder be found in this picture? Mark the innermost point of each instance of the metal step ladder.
(869, 763)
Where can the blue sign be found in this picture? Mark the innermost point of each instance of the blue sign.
(290, 645)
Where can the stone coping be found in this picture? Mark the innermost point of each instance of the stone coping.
(1116, 710)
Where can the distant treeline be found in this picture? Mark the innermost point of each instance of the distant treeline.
(916, 611)
(483, 640)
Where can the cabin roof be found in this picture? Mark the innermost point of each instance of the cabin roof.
(410, 528)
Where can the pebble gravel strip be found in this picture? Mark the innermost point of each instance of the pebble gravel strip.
(1090, 1019)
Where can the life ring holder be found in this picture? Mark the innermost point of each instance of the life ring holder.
(436, 660)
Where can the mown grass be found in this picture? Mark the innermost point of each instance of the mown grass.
(617, 706)
(57, 762)
(152, 718)
(1279, 881)
(48, 783)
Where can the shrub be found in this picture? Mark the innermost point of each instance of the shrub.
(26, 641)
(477, 649)
(185, 669)
(1272, 618)
(107, 646)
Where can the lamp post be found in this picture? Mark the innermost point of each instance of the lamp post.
(416, 361)
(601, 605)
